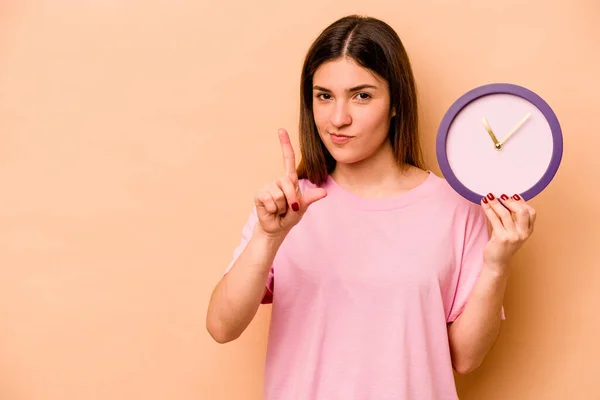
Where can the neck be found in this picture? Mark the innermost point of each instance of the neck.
(376, 176)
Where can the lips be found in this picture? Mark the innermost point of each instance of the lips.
(340, 139)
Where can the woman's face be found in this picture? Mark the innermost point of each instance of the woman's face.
(351, 108)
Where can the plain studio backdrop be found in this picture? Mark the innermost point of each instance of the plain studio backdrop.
(133, 135)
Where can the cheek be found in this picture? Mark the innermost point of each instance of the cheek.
(319, 115)
(321, 118)
(373, 119)
(363, 118)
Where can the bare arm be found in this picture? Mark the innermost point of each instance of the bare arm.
(236, 298)
(279, 207)
(474, 332)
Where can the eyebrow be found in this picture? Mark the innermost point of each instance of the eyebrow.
(352, 89)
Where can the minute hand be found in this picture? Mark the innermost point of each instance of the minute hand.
(514, 129)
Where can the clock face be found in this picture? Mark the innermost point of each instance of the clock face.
(499, 138)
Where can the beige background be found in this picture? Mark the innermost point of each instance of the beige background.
(130, 134)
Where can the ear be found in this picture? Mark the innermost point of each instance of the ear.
(393, 112)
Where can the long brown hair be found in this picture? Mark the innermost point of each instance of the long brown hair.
(374, 45)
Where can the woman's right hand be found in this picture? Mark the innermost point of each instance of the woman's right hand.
(281, 204)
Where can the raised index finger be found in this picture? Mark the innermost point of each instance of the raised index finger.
(289, 159)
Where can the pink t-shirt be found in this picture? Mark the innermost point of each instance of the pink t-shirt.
(362, 291)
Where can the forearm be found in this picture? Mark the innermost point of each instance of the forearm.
(236, 298)
(474, 332)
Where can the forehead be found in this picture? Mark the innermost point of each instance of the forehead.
(344, 73)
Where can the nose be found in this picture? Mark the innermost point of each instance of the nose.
(340, 115)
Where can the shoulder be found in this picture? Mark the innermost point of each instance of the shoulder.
(454, 201)
(306, 184)
(468, 220)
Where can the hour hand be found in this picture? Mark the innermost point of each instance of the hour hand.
(489, 131)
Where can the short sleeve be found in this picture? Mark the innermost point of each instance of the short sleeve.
(476, 236)
(247, 231)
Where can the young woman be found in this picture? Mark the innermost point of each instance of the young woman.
(382, 279)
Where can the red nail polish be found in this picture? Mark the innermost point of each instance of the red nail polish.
(491, 197)
(295, 207)
(504, 197)
(517, 197)
(485, 200)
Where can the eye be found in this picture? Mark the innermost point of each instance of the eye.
(364, 96)
(323, 96)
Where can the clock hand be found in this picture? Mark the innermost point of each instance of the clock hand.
(489, 131)
(514, 129)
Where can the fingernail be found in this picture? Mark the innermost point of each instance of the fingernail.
(517, 197)
(485, 200)
(295, 206)
(490, 196)
(504, 197)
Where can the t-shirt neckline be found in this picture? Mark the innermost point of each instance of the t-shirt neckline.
(383, 203)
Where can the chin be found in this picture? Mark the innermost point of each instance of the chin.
(347, 156)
